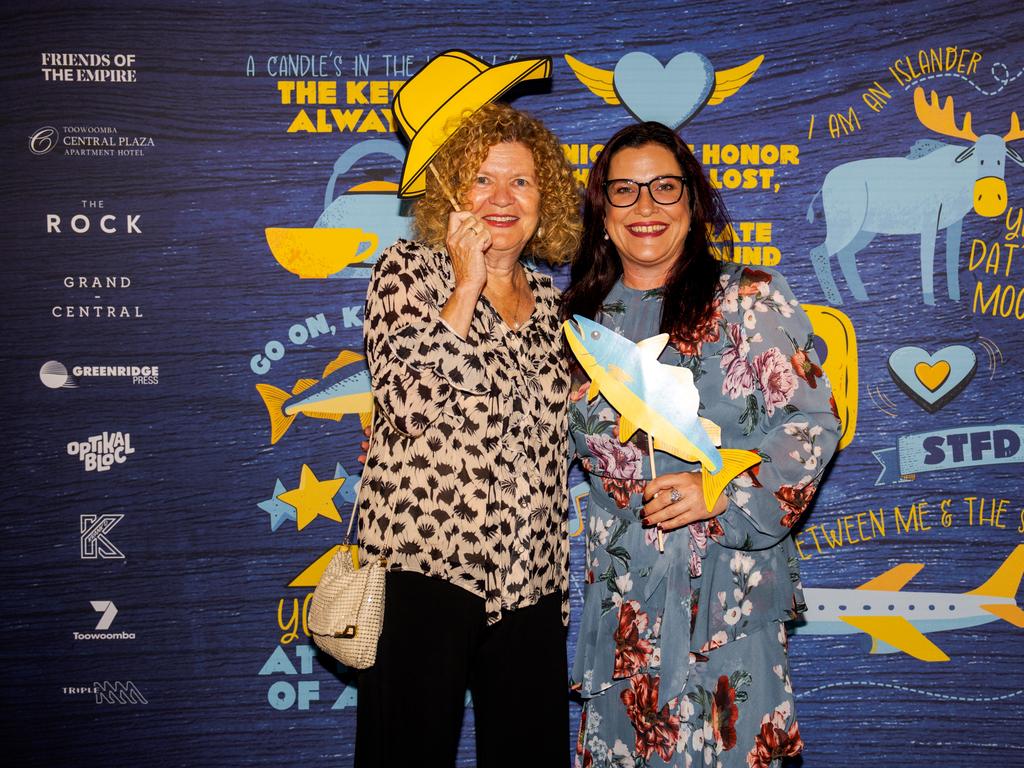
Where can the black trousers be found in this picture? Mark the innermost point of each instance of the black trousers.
(435, 645)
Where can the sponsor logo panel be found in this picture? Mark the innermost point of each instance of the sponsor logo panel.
(108, 612)
(92, 140)
(55, 375)
(94, 541)
(62, 67)
(108, 692)
(98, 453)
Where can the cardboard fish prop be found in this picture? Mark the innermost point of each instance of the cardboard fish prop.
(344, 388)
(659, 399)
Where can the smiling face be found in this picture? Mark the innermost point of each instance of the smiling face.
(504, 195)
(649, 236)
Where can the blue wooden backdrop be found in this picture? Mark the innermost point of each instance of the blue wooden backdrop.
(148, 613)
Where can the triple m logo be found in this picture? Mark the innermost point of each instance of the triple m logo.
(109, 692)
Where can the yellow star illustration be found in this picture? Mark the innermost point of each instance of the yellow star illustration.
(313, 497)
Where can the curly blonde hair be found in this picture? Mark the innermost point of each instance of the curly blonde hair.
(558, 233)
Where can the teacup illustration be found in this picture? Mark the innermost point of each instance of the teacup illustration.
(316, 252)
(374, 204)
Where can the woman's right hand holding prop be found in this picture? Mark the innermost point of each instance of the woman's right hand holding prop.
(468, 238)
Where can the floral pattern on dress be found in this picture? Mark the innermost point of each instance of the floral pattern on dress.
(698, 546)
(632, 647)
(718, 710)
(709, 332)
(718, 722)
(657, 730)
(771, 370)
(794, 499)
(737, 605)
(776, 377)
(779, 737)
(619, 465)
(680, 656)
(803, 366)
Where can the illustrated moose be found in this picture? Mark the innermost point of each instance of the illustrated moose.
(932, 188)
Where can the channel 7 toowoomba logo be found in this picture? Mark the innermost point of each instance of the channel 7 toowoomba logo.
(108, 612)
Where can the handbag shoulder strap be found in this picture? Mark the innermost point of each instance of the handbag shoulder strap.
(355, 505)
(352, 519)
(355, 513)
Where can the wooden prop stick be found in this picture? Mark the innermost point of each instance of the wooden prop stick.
(444, 187)
(654, 475)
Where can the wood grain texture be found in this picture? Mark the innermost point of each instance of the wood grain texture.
(203, 574)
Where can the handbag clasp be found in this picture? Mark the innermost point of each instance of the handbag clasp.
(347, 633)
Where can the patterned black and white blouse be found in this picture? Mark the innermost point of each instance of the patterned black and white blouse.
(468, 458)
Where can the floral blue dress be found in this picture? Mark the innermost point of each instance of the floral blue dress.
(681, 657)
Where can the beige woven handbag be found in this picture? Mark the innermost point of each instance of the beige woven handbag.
(347, 610)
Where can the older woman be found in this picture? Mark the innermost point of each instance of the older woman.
(682, 654)
(464, 485)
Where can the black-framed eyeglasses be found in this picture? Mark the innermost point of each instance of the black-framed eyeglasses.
(664, 190)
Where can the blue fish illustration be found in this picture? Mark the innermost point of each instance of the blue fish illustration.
(343, 388)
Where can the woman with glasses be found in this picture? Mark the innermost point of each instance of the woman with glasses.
(681, 657)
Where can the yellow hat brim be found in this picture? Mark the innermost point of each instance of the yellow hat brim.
(438, 128)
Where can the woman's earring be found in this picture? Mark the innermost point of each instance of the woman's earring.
(606, 234)
(540, 232)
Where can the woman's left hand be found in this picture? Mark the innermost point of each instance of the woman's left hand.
(662, 511)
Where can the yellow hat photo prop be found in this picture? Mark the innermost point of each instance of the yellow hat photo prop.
(450, 85)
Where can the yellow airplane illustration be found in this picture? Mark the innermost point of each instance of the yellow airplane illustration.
(899, 621)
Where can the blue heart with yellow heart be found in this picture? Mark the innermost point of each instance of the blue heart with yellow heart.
(933, 380)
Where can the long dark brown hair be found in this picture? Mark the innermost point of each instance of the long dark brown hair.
(692, 283)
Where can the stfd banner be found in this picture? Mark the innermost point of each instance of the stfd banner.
(195, 195)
